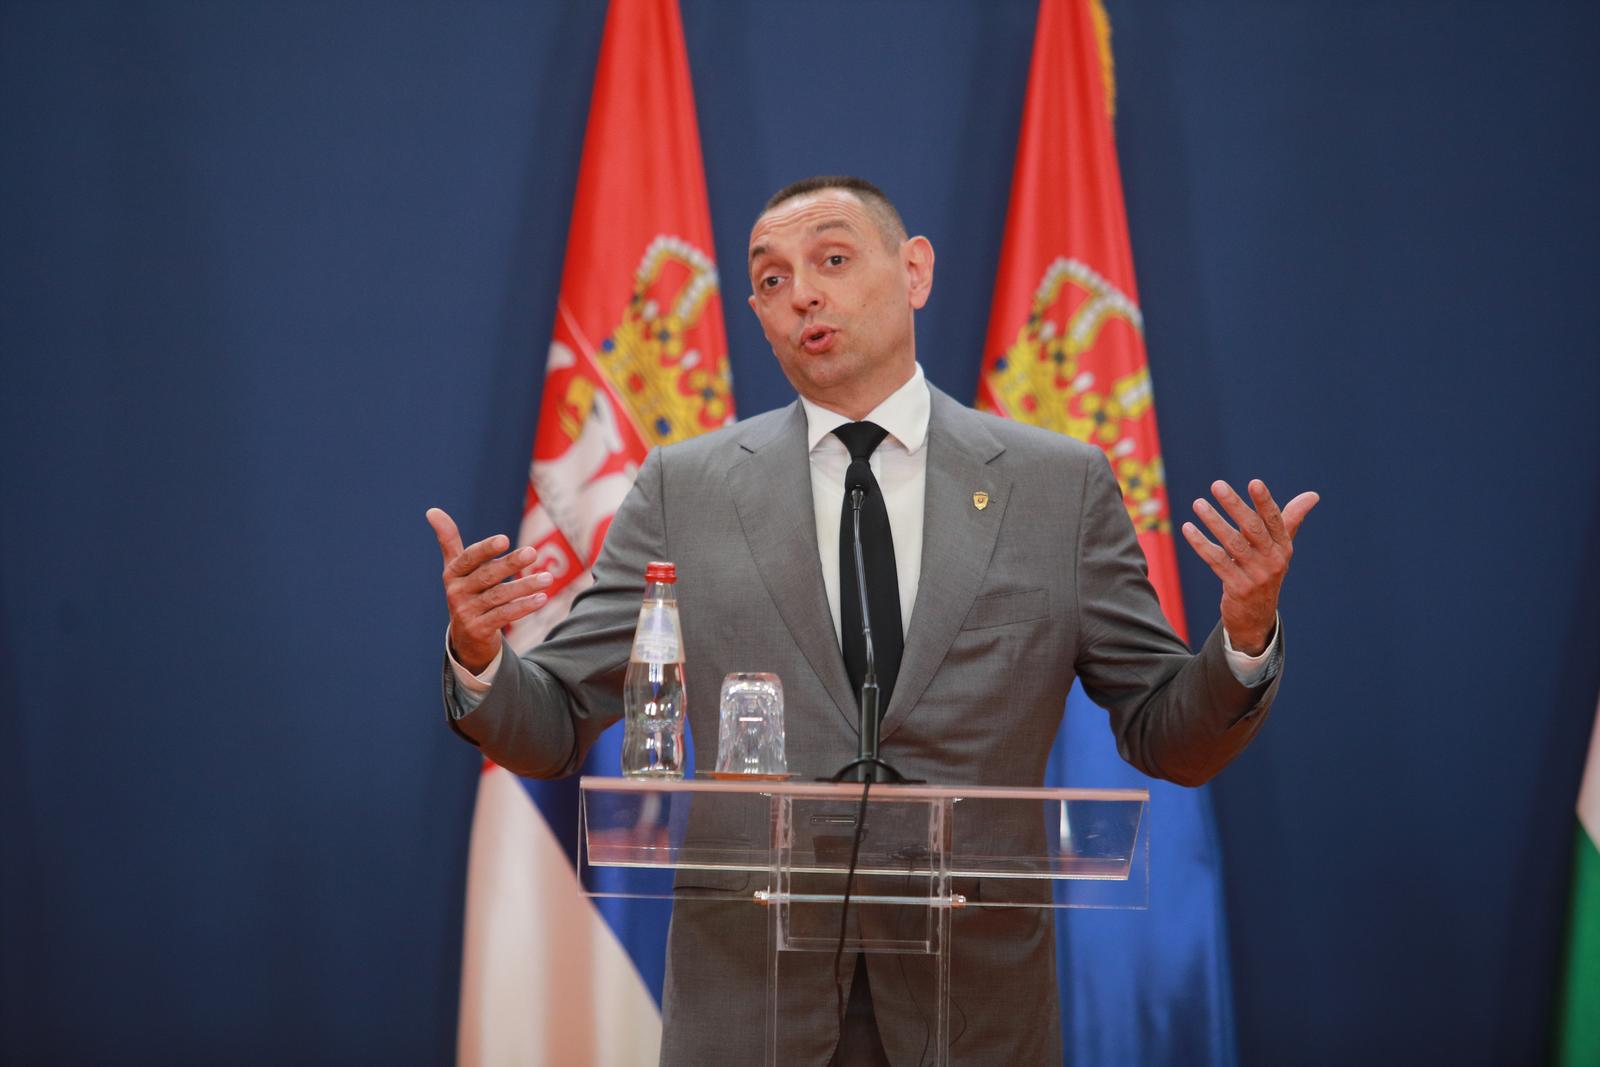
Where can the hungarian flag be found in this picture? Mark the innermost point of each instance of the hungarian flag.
(1065, 351)
(1578, 1041)
(638, 359)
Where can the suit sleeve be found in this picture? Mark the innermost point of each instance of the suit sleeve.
(546, 707)
(1175, 716)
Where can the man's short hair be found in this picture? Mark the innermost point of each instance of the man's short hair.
(882, 209)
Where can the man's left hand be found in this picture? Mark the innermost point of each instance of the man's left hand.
(1250, 557)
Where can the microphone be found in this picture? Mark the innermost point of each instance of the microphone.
(867, 768)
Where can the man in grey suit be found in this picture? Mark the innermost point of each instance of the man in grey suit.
(1017, 571)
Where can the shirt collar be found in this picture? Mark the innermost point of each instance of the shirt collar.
(904, 413)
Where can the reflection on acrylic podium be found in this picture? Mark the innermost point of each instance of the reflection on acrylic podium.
(926, 852)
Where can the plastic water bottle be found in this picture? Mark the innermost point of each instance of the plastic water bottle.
(653, 692)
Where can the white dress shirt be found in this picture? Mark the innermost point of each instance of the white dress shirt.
(900, 464)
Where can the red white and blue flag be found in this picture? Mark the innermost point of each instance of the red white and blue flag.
(1066, 351)
(638, 358)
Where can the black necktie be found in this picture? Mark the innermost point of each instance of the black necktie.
(877, 551)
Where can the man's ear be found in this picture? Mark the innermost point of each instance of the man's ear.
(916, 255)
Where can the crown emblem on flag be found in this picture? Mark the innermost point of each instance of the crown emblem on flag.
(1043, 379)
(658, 358)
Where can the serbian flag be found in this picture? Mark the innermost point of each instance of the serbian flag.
(638, 359)
(1065, 350)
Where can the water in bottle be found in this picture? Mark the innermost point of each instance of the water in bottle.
(653, 692)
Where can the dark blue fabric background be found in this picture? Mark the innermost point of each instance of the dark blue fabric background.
(274, 278)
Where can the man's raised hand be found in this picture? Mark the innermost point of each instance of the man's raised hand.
(1251, 556)
(481, 601)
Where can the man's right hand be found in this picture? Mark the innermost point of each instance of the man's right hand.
(481, 601)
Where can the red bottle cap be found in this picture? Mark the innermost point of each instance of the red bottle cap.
(661, 572)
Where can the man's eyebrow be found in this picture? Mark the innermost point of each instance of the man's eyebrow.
(757, 251)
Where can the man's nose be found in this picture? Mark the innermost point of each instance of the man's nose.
(803, 292)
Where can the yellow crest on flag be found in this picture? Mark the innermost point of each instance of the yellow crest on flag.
(1043, 380)
(671, 389)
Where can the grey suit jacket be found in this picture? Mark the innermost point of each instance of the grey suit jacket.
(1044, 585)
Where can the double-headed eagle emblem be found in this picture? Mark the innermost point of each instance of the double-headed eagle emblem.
(1047, 378)
(657, 358)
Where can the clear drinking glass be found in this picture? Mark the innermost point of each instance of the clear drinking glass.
(750, 733)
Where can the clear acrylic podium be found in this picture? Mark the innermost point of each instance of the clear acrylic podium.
(927, 851)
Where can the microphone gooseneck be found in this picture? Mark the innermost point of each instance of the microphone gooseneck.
(857, 496)
(864, 535)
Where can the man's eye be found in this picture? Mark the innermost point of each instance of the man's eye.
(770, 281)
(836, 260)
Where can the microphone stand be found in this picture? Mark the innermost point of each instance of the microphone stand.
(867, 766)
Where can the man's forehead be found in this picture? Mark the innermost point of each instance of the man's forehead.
(826, 209)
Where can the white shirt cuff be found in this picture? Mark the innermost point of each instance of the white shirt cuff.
(1251, 671)
(470, 688)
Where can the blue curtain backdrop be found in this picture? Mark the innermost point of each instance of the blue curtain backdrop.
(276, 277)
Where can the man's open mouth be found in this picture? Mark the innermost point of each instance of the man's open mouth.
(817, 338)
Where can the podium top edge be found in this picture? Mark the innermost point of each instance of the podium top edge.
(798, 788)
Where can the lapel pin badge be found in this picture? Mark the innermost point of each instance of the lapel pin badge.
(980, 500)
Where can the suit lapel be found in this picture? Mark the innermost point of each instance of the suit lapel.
(957, 542)
(772, 493)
